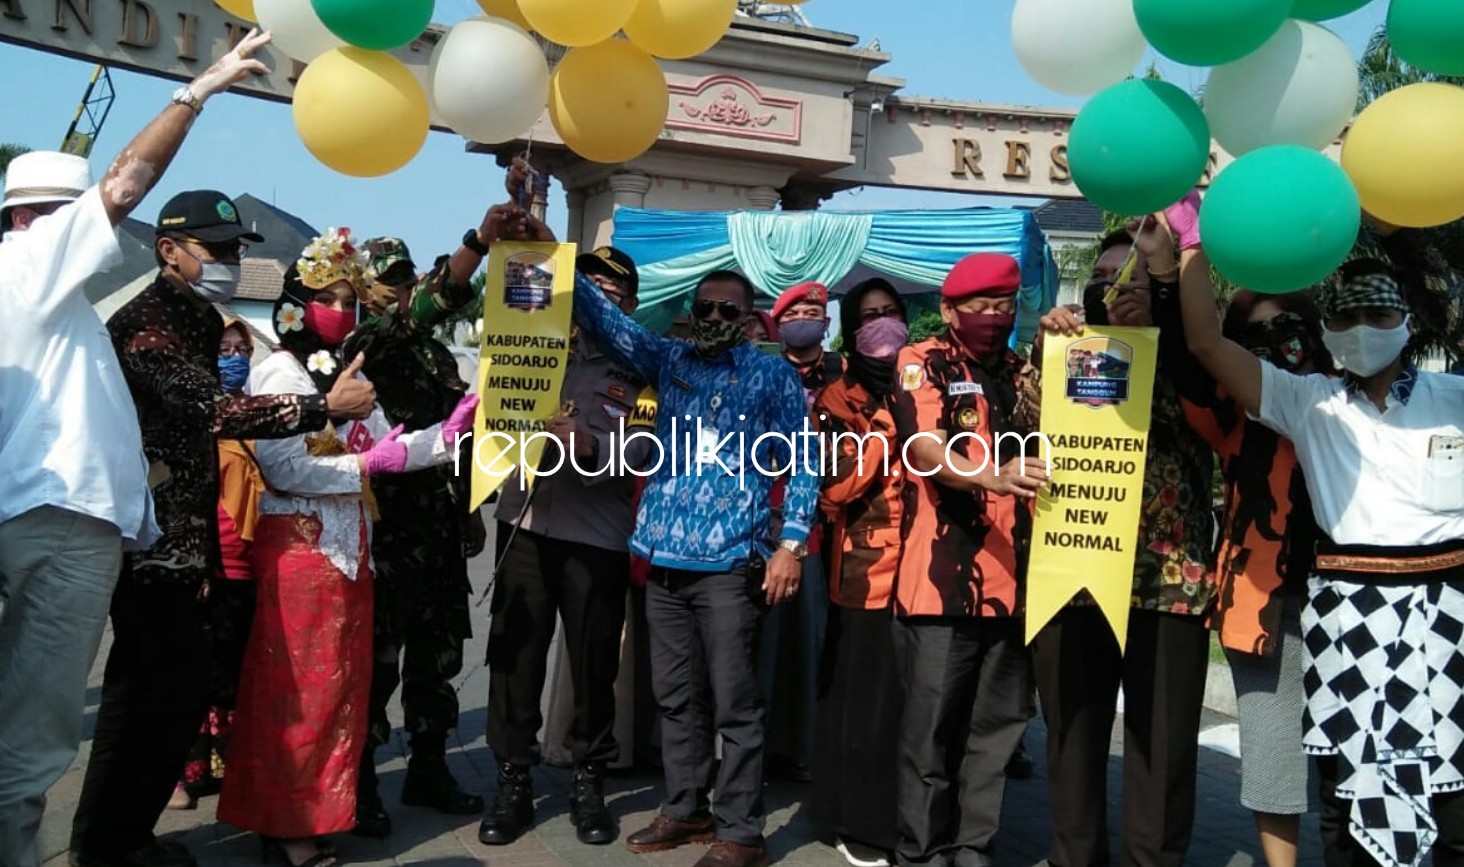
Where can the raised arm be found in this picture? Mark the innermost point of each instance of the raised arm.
(143, 162)
(1234, 368)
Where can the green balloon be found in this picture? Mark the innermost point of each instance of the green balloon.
(1428, 34)
(1138, 147)
(375, 25)
(1209, 32)
(1325, 10)
(1280, 219)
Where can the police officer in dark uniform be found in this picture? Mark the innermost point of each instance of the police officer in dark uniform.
(568, 556)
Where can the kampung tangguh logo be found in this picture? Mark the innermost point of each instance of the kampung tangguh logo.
(1098, 371)
(528, 282)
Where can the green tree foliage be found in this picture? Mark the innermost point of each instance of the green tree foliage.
(9, 152)
(1381, 71)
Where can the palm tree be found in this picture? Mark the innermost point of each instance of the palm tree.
(9, 152)
(1380, 70)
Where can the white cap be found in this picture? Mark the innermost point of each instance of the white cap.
(39, 177)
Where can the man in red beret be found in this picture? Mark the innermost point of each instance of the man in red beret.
(958, 629)
(801, 321)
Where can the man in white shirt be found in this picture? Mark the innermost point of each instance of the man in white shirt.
(1382, 449)
(73, 480)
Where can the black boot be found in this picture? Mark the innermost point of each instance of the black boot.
(372, 820)
(587, 811)
(513, 809)
(430, 784)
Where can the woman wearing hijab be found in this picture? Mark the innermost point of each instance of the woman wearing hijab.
(859, 696)
(232, 599)
(303, 692)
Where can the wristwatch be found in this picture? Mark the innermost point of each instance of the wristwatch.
(797, 549)
(470, 240)
(184, 96)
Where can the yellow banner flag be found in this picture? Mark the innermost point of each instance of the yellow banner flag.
(527, 306)
(1097, 390)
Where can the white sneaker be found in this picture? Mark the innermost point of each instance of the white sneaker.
(860, 855)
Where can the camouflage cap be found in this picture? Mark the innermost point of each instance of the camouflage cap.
(388, 253)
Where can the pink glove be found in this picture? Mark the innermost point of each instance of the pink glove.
(1184, 220)
(461, 420)
(387, 456)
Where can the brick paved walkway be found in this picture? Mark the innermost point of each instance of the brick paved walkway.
(1224, 833)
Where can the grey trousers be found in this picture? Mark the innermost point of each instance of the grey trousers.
(704, 627)
(57, 572)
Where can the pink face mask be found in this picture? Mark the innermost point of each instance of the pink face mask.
(330, 325)
(881, 338)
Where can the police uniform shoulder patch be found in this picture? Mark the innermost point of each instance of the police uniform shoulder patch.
(644, 414)
(912, 376)
(967, 418)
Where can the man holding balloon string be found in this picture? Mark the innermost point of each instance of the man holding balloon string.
(1161, 670)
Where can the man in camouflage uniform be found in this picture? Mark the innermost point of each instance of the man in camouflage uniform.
(424, 533)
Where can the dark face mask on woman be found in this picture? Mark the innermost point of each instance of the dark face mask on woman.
(1284, 340)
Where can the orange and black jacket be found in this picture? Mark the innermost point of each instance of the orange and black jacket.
(1268, 532)
(861, 495)
(960, 550)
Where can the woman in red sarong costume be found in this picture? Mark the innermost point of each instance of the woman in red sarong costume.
(301, 717)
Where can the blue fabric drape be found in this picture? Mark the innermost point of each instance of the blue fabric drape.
(777, 251)
(673, 249)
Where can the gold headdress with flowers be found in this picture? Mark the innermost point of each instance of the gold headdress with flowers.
(334, 256)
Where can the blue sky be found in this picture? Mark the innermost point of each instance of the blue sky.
(957, 49)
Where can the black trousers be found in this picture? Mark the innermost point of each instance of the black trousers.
(584, 585)
(155, 694)
(705, 627)
(967, 691)
(1340, 850)
(1162, 672)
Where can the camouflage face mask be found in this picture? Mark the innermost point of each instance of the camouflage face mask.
(715, 336)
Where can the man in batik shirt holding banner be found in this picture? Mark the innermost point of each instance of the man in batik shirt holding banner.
(1161, 655)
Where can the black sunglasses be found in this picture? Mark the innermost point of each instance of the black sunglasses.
(703, 309)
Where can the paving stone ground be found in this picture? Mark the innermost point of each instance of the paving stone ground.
(1224, 831)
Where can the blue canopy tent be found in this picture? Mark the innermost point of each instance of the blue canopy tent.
(912, 249)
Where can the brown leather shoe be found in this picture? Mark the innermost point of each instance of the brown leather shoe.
(665, 833)
(725, 853)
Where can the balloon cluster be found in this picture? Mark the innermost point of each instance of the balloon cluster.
(360, 111)
(1282, 88)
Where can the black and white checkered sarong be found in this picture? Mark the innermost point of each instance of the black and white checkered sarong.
(1385, 695)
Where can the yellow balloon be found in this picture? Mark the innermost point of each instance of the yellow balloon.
(507, 9)
(609, 101)
(678, 29)
(361, 112)
(577, 23)
(238, 8)
(1405, 153)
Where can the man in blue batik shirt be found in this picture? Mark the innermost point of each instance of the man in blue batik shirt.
(703, 524)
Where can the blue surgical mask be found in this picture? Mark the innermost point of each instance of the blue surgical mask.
(233, 372)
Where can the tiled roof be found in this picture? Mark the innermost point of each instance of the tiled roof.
(1070, 215)
(260, 280)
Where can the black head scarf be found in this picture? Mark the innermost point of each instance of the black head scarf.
(877, 377)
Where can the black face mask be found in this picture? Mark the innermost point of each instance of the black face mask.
(1285, 341)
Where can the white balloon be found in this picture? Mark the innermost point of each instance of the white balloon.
(1077, 46)
(1300, 88)
(488, 80)
(297, 30)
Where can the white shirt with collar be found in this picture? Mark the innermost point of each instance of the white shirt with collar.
(69, 435)
(1392, 478)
